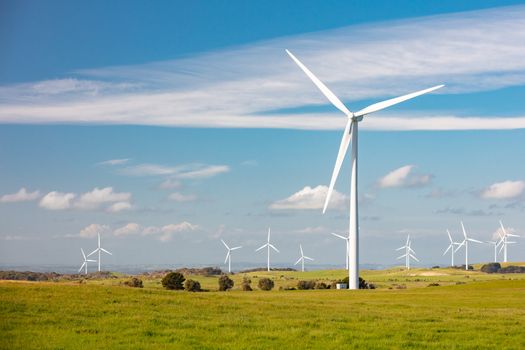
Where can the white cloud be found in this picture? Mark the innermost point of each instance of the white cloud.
(169, 184)
(204, 172)
(57, 200)
(21, 196)
(179, 197)
(130, 229)
(100, 196)
(357, 62)
(165, 233)
(312, 229)
(92, 230)
(310, 198)
(119, 206)
(114, 161)
(496, 235)
(504, 190)
(403, 177)
(186, 171)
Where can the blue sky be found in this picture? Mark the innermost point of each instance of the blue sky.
(169, 126)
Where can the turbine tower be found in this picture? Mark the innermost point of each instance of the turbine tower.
(350, 134)
(301, 259)
(347, 240)
(86, 260)
(465, 243)
(229, 255)
(505, 241)
(496, 244)
(408, 253)
(451, 247)
(99, 250)
(268, 245)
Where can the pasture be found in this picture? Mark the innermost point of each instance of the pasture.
(468, 310)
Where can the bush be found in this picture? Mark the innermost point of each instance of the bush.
(321, 285)
(265, 284)
(512, 269)
(246, 284)
(433, 285)
(192, 286)
(225, 283)
(491, 267)
(173, 280)
(134, 282)
(303, 285)
(362, 283)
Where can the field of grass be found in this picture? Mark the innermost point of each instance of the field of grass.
(487, 312)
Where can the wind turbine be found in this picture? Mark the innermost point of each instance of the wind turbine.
(451, 247)
(496, 245)
(99, 250)
(408, 253)
(350, 134)
(465, 243)
(268, 245)
(505, 241)
(347, 239)
(301, 259)
(229, 255)
(84, 265)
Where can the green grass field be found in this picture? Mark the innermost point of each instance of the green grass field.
(485, 312)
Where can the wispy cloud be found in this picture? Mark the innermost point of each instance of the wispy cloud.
(92, 230)
(92, 200)
(464, 212)
(309, 198)
(115, 161)
(186, 171)
(180, 197)
(21, 196)
(504, 190)
(257, 86)
(404, 177)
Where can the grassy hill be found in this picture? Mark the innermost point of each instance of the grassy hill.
(485, 312)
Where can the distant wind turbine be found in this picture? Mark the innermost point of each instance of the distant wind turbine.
(86, 260)
(409, 253)
(347, 240)
(268, 245)
(229, 255)
(505, 241)
(465, 243)
(350, 134)
(451, 247)
(496, 244)
(99, 250)
(301, 259)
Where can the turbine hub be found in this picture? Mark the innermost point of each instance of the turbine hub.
(357, 119)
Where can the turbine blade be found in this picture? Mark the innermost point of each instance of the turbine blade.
(81, 267)
(408, 240)
(502, 246)
(404, 247)
(298, 261)
(84, 255)
(463, 228)
(301, 248)
(335, 234)
(413, 257)
(269, 235)
(446, 251)
(261, 247)
(308, 258)
(235, 248)
(474, 240)
(277, 250)
(449, 236)
(326, 91)
(503, 228)
(393, 101)
(459, 246)
(105, 251)
(343, 147)
(512, 235)
(402, 256)
(227, 256)
(93, 252)
(91, 260)
(225, 244)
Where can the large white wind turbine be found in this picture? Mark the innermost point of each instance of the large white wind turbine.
(347, 240)
(409, 253)
(99, 250)
(505, 242)
(451, 247)
(268, 245)
(86, 260)
(301, 259)
(465, 243)
(229, 255)
(496, 244)
(350, 134)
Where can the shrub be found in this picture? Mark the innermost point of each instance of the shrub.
(362, 283)
(225, 283)
(433, 285)
(173, 280)
(134, 282)
(321, 285)
(192, 286)
(512, 269)
(265, 284)
(246, 284)
(303, 285)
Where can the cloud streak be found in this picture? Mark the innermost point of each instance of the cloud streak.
(257, 86)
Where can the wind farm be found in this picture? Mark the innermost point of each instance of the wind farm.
(262, 175)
